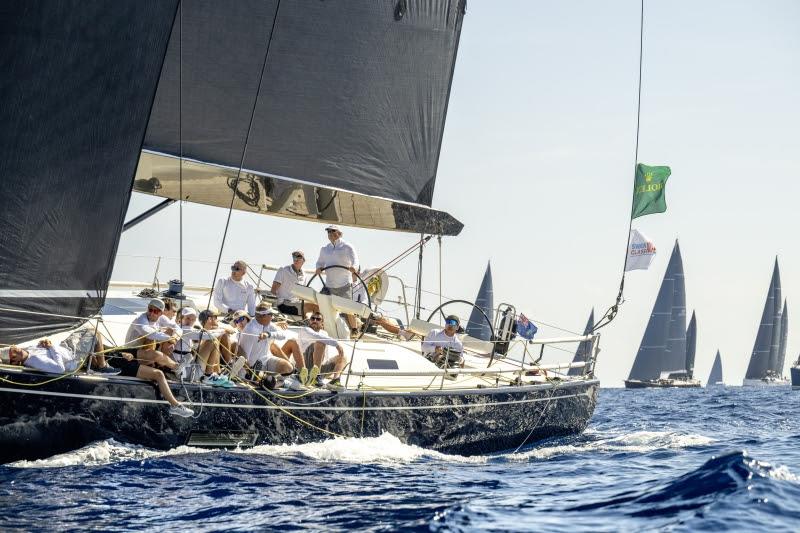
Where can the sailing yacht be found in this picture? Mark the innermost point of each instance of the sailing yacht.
(715, 377)
(326, 112)
(665, 358)
(795, 372)
(769, 351)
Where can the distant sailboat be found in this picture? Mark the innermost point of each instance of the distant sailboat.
(477, 326)
(584, 348)
(662, 357)
(715, 378)
(765, 359)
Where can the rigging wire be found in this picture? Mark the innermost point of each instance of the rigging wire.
(180, 141)
(244, 151)
(612, 311)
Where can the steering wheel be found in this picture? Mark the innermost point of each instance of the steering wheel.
(324, 286)
(486, 318)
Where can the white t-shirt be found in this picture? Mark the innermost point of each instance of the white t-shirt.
(307, 336)
(231, 295)
(254, 348)
(338, 253)
(288, 278)
(142, 328)
(437, 338)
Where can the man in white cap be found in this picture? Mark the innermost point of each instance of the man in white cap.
(255, 343)
(338, 281)
(149, 327)
(234, 293)
(285, 279)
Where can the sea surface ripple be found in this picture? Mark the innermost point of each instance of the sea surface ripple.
(673, 460)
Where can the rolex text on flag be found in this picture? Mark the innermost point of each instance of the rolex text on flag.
(648, 190)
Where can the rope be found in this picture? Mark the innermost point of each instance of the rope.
(541, 415)
(612, 311)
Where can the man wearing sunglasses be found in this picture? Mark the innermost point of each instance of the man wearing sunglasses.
(339, 281)
(256, 343)
(311, 344)
(150, 326)
(285, 279)
(234, 293)
(444, 341)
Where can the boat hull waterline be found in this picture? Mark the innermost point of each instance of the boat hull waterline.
(39, 419)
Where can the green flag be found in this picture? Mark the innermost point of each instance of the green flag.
(648, 190)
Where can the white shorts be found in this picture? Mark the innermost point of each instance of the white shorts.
(270, 364)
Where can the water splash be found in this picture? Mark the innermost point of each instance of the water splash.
(104, 453)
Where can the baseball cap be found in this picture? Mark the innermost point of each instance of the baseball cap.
(155, 302)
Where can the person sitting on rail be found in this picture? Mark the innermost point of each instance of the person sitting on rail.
(234, 293)
(149, 327)
(239, 320)
(442, 346)
(169, 316)
(312, 342)
(285, 279)
(215, 345)
(62, 358)
(256, 343)
(161, 356)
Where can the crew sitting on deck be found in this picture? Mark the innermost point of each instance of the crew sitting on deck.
(160, 356)
(214, 345)
(285, 279)
(256, 343)
(149, 326)
(234, 293)
(312, 343)
(442, 346)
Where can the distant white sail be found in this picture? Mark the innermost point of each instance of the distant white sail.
(641, 252)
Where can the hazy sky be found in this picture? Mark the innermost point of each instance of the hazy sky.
(538, 160)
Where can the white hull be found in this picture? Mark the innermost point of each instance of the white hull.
(771, 382)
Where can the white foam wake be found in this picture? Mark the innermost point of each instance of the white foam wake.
(636, 442)
(103, 453)
(383, 449)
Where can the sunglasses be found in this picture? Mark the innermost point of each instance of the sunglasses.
(236, 269)
(315, 319)
(451, 322)
(154, 310)
(296, 257)
(240, 320)
(331, 230)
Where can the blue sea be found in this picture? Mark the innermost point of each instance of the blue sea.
(651, 460)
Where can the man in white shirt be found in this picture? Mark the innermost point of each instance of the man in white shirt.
(234, 293)
(338, 281)
(215, 344)
(442, 346)
(255, 343)
(312, 343)
(149, 327)
(285, 279)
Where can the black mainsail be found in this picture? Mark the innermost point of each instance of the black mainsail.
(784, 336)
(715, 376)
(584, 348)
(335, 110)
(663, 347)
(77, 84)
(764, 357)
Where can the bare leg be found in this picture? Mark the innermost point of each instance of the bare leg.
(226, 348)
(340, 362)
(208, 354)
(153, 374)
(319, 353)
(284, 367)
(277, 352)
(292, 348)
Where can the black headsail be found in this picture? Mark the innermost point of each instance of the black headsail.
(76, 87)
(716, 371)
(761, 356)
(347, 100)
(691, 346)
(784, 336)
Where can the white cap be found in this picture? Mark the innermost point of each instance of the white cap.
(186, 311)
(334, 227)
(155, 302)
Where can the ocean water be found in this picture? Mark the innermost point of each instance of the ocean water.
(672, 460)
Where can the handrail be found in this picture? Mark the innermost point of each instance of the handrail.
(465, 371)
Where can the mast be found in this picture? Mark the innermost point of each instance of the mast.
(759, 358)
(584, 348)
(691, 345)
(716, 371)
(477, 326)
(649, 358)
